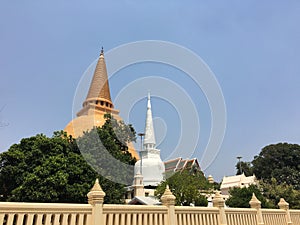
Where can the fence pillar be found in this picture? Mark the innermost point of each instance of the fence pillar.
(218, 201)
(256, 204)
(285, 206)
(168, 199)
(96, 199)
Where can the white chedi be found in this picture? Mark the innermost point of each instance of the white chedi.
(153, 167)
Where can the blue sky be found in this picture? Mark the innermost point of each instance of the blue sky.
(251, 46)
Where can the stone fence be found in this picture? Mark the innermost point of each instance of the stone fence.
(97, 213)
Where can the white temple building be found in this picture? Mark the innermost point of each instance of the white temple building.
(150, 165)
(236, 181)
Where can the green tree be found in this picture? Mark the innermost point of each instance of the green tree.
(240, 197)
(45, 169)
(106, 149)
(53, 169)
(244, 167)
(280, 161)
(186, 187)
(274, 191)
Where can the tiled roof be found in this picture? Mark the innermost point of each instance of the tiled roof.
(180, 164)
(172, 164)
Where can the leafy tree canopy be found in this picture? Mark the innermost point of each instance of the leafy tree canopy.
(186, 187)
(280, 161)
(240, 197)
(44, 169)
(274, 191)
(105, 149)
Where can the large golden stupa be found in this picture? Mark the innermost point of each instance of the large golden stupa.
(96, 105)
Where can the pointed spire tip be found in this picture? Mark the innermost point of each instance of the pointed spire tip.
(149, 101)
(96, 186)
(149, 139)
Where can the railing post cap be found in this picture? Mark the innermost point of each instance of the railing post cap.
(168, 198)
(283, 204)
(218, 200)
(96, 194)
(254, 202)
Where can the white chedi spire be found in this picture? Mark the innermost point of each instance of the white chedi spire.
(152, 166)
(149, 140)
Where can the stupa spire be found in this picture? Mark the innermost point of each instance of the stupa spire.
(99, 87)
(98, 98)
(149, 140)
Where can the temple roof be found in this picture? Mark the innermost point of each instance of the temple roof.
(142, 200)
(237, 181)
(179, 164)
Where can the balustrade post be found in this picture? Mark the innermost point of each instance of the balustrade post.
(96, 199)
(256, 204)
(218, 201)
(285, 206)
(168, 199)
